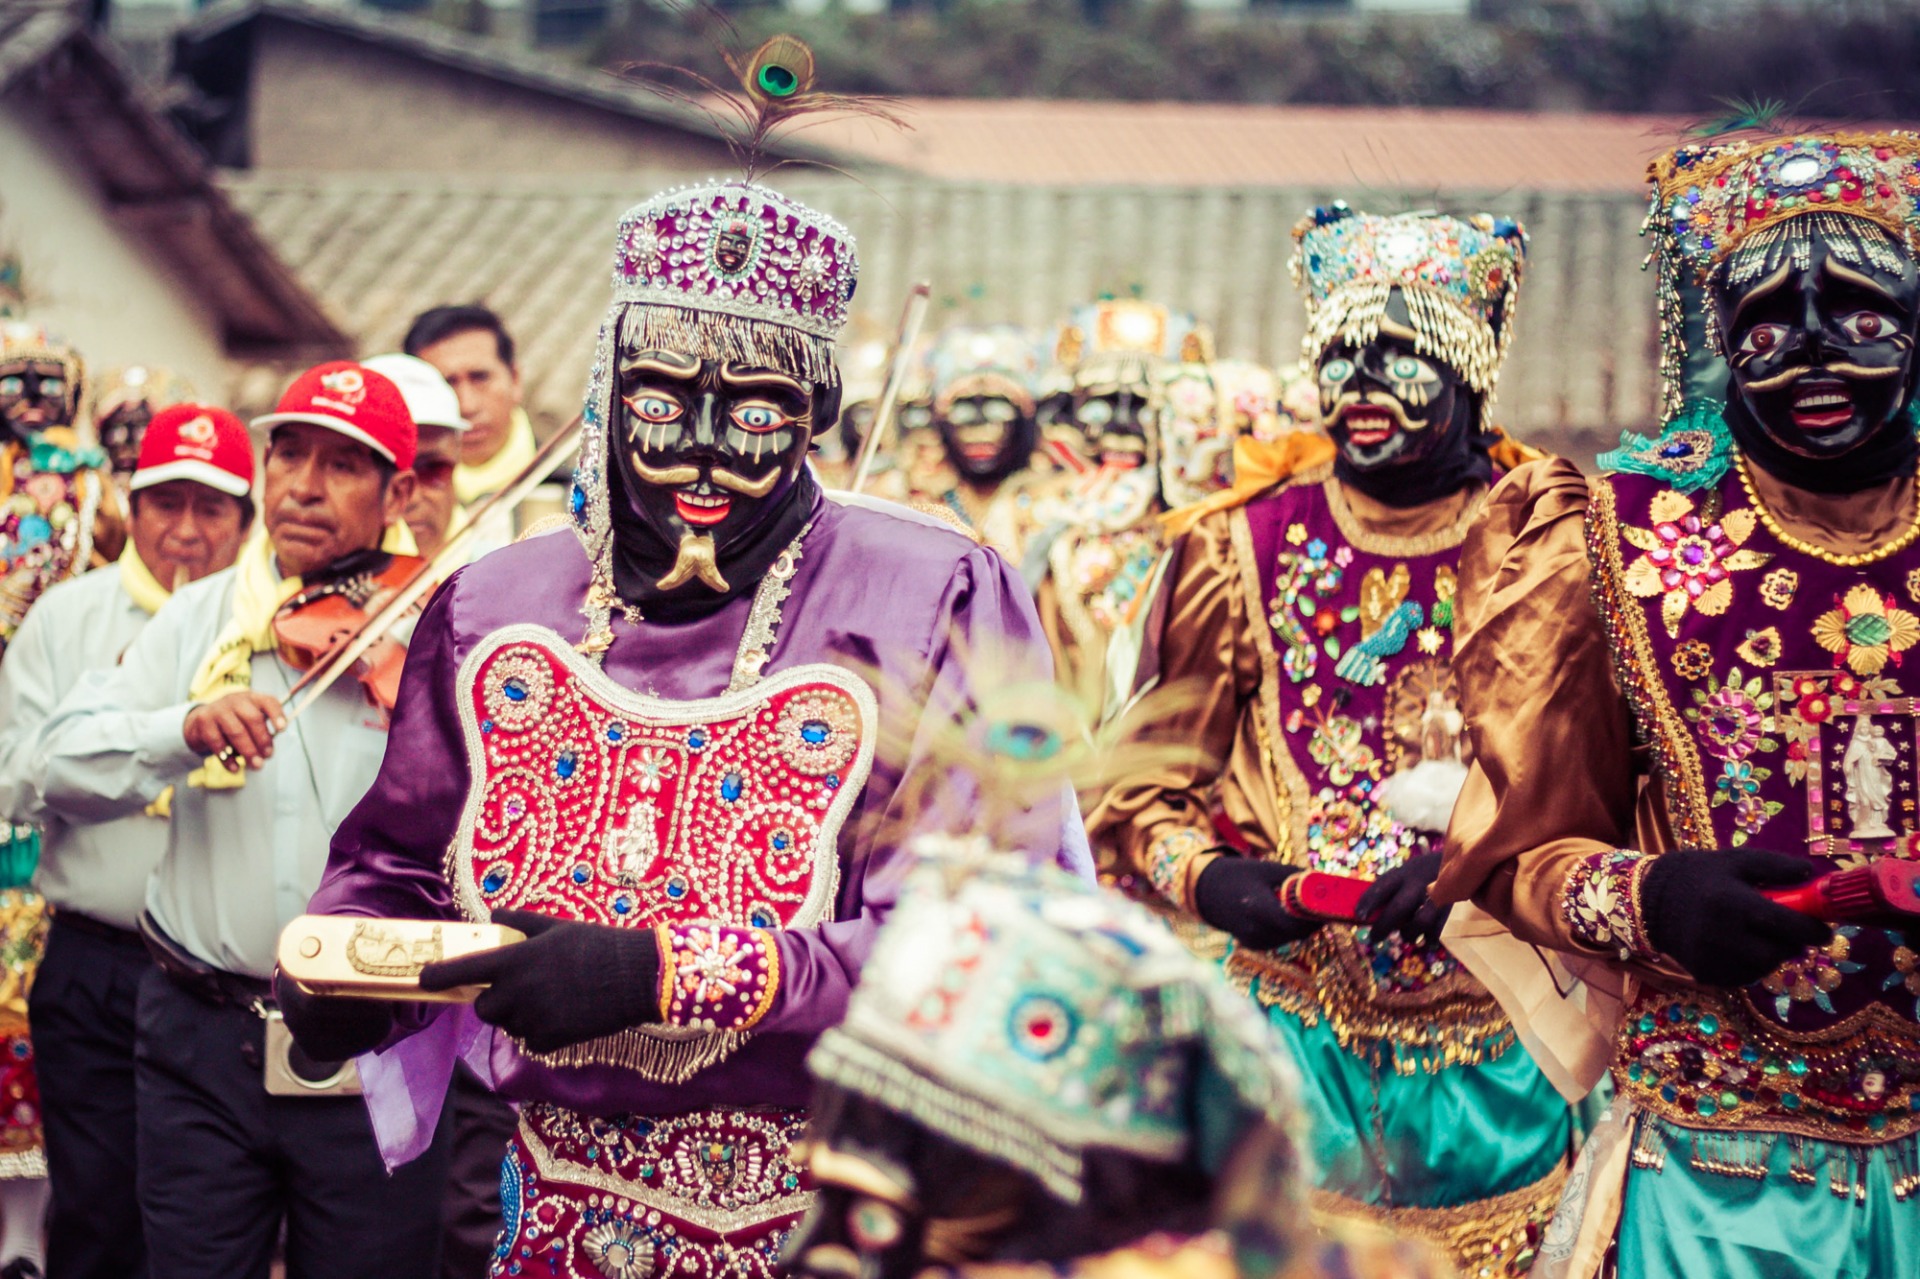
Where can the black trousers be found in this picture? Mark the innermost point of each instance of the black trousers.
(82, 1011)
(482, 1126)
(222, 1163)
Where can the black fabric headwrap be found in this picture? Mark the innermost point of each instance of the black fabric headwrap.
(1892, 451)
(1460, 462)
(641, 557)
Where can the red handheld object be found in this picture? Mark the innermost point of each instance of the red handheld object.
(1889, 887)
(1319, 894)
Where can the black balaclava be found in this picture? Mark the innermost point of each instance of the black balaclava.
(1820, 341)
(987, 437)
(35, 394)
(709, 483)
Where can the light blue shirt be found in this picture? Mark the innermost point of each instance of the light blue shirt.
(240, 864)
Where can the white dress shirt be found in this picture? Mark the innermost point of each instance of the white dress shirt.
(99, 868)
(240, 864)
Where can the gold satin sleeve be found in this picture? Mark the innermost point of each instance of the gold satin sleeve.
(1208, 670)
(1553, 777)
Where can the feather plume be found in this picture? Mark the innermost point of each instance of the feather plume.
(1742, 115)
(776, 94)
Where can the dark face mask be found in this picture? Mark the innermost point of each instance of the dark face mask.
(1116, 423)
(711, 462)
(121, 432)
(987, 437)
(36, 395)
(1403, 422)
(1822, 367)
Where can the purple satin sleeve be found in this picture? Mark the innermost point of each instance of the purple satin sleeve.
(987, 629)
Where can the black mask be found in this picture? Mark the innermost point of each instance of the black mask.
(37, 394)
(710, 481)
(1116, 421)
(1404, 424)
(986, 437)
(121, 432)
(1822, 363)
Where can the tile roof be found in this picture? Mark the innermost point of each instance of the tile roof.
(379, 249)
(1359, 149)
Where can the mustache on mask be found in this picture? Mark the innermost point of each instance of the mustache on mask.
(1373, 400)
(668, 476)
(1787, 377)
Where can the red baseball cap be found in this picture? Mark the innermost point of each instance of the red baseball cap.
(196, 442)
(355, 401)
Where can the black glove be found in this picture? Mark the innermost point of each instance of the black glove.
(332, 1027)
(565, 983)
(1397, 902)
(1237, 895)
(1704, 910)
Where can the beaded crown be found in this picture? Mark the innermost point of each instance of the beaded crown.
(1116, 340)
(23, 342)
(1035, 1018)
(996, 359)
(1459, 277)
(1709, 200)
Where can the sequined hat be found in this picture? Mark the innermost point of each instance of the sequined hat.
(735, 271)
(1710, 200)
(1035, 1018)
(999, 359)
(1459, 277)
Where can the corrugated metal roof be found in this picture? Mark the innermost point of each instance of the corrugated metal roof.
(379, 250)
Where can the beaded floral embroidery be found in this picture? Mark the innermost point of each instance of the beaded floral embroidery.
(714, 978)
(1167, 861)
(1735, 722)
(1693, 452)
(1303, 579)
(1601, 903)
(1777, 588)
(1687, 559)
(1866, 630)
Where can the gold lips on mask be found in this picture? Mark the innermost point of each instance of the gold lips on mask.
(1375, 400)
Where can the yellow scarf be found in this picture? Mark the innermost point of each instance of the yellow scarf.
(258, 593)
(138, 581)
(471, 483)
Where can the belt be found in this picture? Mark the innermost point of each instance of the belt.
(200, 979)
(80, 922)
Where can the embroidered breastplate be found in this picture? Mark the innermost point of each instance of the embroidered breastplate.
(1778, 695)
(592, 802)
(1358, 699)
(46, 527)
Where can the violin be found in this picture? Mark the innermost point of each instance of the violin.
(320, 620)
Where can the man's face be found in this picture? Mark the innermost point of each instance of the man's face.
(185, 530)
(982, 434)
(120, 434)
(1822, 357)
(489, 391)
(707, 449)
(36, 394)
(430, 513)
(1115, 420)
(1385, 404)
(326, 496)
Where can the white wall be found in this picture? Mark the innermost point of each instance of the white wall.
(87, 279)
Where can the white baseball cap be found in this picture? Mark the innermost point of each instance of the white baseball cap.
(430, 401)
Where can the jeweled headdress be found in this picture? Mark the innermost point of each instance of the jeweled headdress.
(996, 359)
(1459, 277)
(1711, 200)
(722, 271)
(24, 343)
(1115, 340)
(1036, 1019)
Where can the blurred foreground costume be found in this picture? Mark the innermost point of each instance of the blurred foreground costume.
(1309, 626)
(669, 744)
(1688, 685)
(1035, 1077)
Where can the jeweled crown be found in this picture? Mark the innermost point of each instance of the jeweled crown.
(996, 359)
(1460, 277)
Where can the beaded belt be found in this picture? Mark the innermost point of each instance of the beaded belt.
(705, 1195)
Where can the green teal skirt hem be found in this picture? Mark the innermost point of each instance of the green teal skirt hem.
(1426, 1140)
(1680, 1222)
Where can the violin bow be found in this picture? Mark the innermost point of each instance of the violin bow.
(314, 684)
(911, 318)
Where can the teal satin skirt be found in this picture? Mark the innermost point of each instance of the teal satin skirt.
(1680, 1222)
(1439, 1140)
